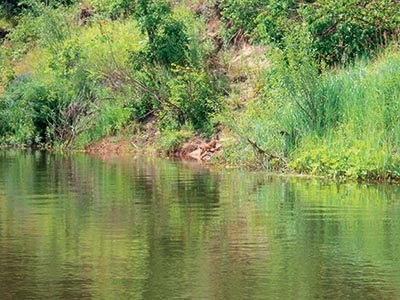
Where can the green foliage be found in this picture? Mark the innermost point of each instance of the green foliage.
(44, 112)
(179, 96)
(344, 30)
(200, 45)
(9, 8)
(68, 59)
(167, 41)
(241, 17)
(12, 8)
(42, 26)
(291, 103)
(193, 92)
(171, 140)
(341, 31)
(110, 118)
(172, 81)
(360, 161)
(364, 144)
(59, 98)
(23, 36)
(277, 21)
(344, 124)
(6, 71)
(113, 9)
(17, 117)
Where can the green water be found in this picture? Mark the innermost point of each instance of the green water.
(80, 227)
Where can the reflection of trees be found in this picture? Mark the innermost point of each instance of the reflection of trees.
(138, 228)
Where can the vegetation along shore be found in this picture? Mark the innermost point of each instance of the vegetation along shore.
(307, 87)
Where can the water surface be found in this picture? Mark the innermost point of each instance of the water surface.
(81, 227)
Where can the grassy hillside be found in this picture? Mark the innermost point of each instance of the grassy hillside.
(283, 85)
(343, 123)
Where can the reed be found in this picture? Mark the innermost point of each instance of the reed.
(362, 138)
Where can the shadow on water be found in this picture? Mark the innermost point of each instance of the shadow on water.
(82, 227)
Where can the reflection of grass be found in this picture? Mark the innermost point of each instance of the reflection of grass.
(128, 218)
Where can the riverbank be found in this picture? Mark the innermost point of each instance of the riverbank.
(219, 82)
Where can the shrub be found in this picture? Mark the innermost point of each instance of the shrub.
(167, 41)
(345, 30)
(171, 140)
(341, 31)
(168, 83)
(240, 17)
(276, 22)
(17, 117)
(193, 92)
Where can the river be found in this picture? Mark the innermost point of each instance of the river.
(81, 227)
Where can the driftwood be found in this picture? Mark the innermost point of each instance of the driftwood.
(266, 159)
(261, 153)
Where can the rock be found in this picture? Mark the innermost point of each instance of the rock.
(196, 154)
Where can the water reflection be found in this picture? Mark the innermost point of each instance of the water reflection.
(78, 227)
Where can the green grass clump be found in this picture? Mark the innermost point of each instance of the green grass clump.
(364, 143)
(171, 140)
(342, 123)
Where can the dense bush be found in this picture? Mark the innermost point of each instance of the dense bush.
(11, 8)
(171, 79)
(341, 31)
(17, 117)
(277, 21)
(113, 9)
(240, 17)
(167, 42)
(346, 29)
(194, 92)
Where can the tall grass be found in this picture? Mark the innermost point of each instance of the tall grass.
(342, 123)
(363, 139)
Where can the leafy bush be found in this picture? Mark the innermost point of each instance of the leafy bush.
(17, 117)
(277, 21)
(171, 140)
(44, 113)
(240, 17)
(356, 160)
(192, 91)
(113, 9)
(167, 41)
(11, 9)
(166, 84)
(59, 98)
(344, 30)
(341, 31)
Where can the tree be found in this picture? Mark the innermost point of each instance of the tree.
(11, 8)
(167, 40)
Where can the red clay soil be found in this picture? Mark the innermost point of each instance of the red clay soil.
(111, 145)
(194, 149)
